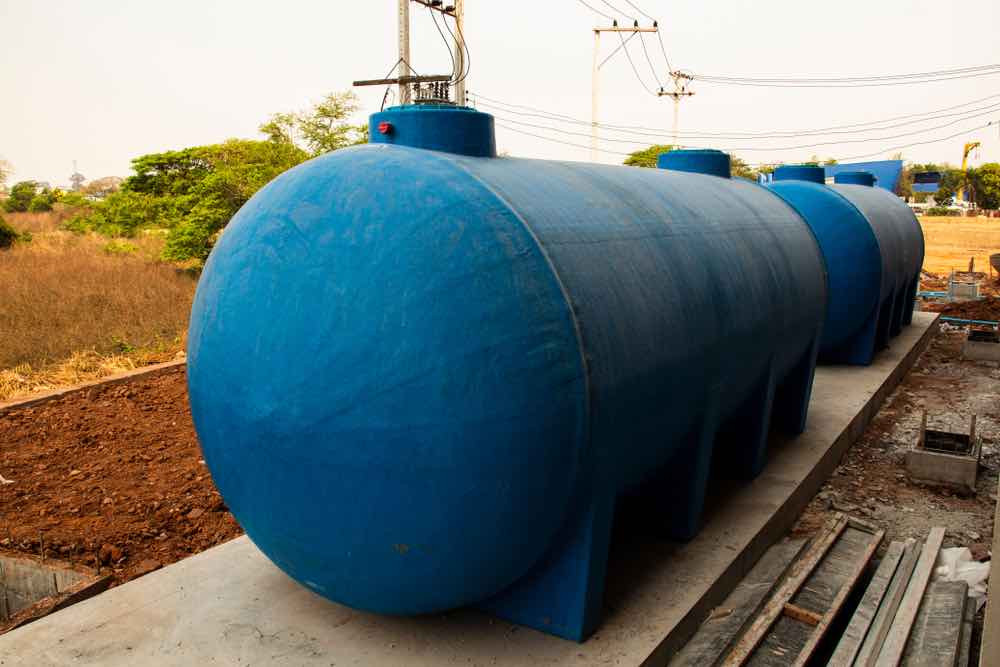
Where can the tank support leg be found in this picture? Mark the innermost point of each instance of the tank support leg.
(860, 350)
(911, 300)
(681, 491)
(742, 443)
(884, 324)
(564, 594)
(898, 306)
(791, 403)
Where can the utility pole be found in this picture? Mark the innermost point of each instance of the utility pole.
(437, 83)
(681, 82)
(460, 51)
(404, 51)
(596, 85)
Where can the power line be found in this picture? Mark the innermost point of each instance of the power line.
(632, 63)
(447, 44)
(596, 11)
(767, 148)
(642, 40)
(871, 82)
(640, 11)
(876, 125)
(851, 79)
(663, 49)
(771, 163)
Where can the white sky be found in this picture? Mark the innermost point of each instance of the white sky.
(103, 81)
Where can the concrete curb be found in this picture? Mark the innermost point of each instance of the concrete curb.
(139, 373)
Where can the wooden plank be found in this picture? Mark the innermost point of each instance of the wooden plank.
(892, 650)
(775, 606)
(936, 637)
(857, 629)
(965, 655)
(872, 644)
(838, 602)
(727, 621)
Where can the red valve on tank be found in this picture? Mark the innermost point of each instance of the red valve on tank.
(385, 127)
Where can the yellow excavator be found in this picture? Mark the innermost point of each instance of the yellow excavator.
(969, 147)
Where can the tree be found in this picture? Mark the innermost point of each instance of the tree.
(191, 192)
(322, 128)
(102, 187)
(647, 157)
(952, 180)
(986, 182)
(20, 196)
(740, 168)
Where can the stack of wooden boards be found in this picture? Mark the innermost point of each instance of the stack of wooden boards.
(783, 610)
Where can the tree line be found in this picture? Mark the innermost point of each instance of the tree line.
(192, 193)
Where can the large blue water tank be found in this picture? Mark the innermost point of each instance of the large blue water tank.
(897, 227)
(422, 379)
(854, 261)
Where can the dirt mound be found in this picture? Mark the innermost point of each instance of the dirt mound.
(987, 308)
(111, 477)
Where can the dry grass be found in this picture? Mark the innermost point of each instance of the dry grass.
(25, 379)
(952, 241)
(36, 223)
(66, 303)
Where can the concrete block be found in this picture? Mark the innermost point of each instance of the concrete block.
(945, 459)
(979, 350)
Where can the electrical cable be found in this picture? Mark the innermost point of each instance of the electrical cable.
(596, 11)
(854, 79)
(664, 51)
(616, 10)
(772, 163)
(819, 83)
(447, 44)
(648, 60)
(632, 63)
(750, 136)
(640, 11)
(768, 148)
(462, 76)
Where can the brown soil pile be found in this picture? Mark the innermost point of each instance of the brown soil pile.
(110, 477)
(987, 308)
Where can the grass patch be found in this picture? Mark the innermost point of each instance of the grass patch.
(64, 295)
(950, 242)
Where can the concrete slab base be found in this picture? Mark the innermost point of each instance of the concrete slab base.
(230, 605)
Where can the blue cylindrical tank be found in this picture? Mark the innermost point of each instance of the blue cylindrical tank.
(891, 218)
(421, 379)
(854, 263)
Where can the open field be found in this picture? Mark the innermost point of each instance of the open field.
(79, 307)
(952, 241)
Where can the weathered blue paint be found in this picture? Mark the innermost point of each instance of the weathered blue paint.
(459, 130)
(424, 380)
(855, 178)
(854, 269)
(902, 242)
(698, 161)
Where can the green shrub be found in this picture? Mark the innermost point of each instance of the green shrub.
(39, 204)
(942, 211)
(120, 247)
(8, 235)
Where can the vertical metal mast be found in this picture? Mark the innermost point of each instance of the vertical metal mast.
(404, 52)
(460, 51)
